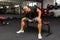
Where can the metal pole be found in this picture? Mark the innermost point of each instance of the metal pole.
(42, 4)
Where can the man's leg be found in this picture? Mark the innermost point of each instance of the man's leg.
(22, 25)
(39, 28)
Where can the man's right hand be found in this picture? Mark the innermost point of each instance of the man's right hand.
(30, 20)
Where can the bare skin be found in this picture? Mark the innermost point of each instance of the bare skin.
(38, 19)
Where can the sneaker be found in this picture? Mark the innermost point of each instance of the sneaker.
(20, 31)
(7, 23)
(39, 36)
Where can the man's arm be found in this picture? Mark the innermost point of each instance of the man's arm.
(39, 12)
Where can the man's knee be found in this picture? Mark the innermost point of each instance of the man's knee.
(39, 21)
(23, 19)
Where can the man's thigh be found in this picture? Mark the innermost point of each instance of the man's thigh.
(27, 19)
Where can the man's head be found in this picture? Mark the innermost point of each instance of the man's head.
(26, 9)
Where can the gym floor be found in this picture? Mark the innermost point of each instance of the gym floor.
(8, 32)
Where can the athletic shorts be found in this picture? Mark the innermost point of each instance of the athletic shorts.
(34, 19)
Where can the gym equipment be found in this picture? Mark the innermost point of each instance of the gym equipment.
(47, 23)
(45, 12)
(59, 6)
(3, 20)
(48, 5)
(56, 7)
(51, 7)
(51, 14)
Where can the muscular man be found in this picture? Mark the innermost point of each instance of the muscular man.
(32, 13)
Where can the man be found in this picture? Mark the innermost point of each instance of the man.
(32, 13)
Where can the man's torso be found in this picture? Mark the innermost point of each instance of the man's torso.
(32, 14)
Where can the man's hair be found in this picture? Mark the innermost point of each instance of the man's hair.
(24, 6)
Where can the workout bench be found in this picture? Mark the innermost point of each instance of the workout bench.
(47, 23)
(3, 20)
